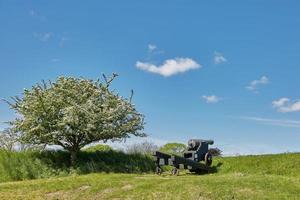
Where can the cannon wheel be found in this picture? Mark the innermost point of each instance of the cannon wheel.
(208, 159)
(175, 171)
(158, 170)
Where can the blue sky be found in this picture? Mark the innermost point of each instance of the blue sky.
(225, 70)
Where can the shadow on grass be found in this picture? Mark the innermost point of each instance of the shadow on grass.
(208, 170)
(167, 169)
(215, 168)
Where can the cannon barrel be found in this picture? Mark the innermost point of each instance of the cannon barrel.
(210, 142)
(194, 143)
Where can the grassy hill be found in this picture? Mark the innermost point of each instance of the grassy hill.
(244, 177)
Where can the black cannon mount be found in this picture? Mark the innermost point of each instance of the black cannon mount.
(196, 158)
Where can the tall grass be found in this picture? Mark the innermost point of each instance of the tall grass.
(34, 164)
(22, 165)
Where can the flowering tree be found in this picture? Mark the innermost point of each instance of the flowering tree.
(74, 112)
(8, 139)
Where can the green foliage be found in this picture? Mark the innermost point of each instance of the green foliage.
(21, 166)
(236, 176)
(42, 164)
(113, 161)
(173, 148)
(74, 112)
(98, 147)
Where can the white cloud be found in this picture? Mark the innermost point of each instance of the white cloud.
(169, 67)
(284, 105)
(294, 107)
(275, 122)
(151, 47)
(44, 37)
(280, 102)
(211, 99)
(255, 83)
(219, 58)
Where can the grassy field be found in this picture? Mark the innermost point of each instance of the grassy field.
(246, 177)
(15, 166)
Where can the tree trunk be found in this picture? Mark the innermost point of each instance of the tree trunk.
(74, 154)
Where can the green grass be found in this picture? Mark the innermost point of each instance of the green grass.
(278, 164)
(245, 177)
(16, 166)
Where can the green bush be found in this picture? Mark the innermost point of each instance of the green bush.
(113, 161)
(173, 148)
(22, 165)
(34, 164)
(98, 147)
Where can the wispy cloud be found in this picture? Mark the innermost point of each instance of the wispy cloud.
(35, 14)
(44, 37)
(32, 12)
(151, 47)
(55, 60)
(47, 36)
(285, 105)
(211, 99)
(275, 122)
(169, 67)
(63, 41)
(219, 58)
(153, 50)
(253, 86)
(249, 148)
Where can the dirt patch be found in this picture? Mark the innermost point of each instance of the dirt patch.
(84, 187)
(127, 187)
(101, 194)
(56, 195)
(239, 174)
(107, 190)
(66, 194)
(246, 190)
